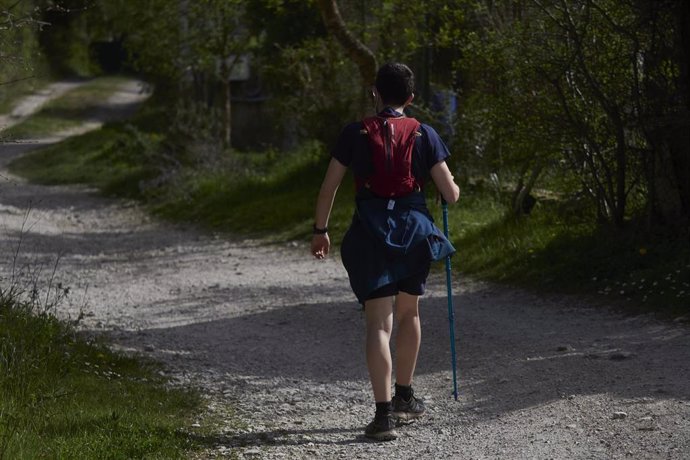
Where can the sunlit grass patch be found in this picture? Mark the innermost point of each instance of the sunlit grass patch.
(66, 112)
(115, 158)
(275, 198)
(12, 92)
(67, 396)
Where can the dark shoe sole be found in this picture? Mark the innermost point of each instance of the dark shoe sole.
(382, 436)
(406, 416)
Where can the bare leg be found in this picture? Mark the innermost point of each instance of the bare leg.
(408, 337)
(379, 317)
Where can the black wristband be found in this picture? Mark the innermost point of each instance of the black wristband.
(319, 231)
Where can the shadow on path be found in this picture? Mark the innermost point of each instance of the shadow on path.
(512, 355)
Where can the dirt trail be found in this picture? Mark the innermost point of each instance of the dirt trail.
(277, 335)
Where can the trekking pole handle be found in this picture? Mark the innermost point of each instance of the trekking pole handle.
(444, 207)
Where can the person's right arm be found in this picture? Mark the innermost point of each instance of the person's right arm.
(445, 183)
(321, 243)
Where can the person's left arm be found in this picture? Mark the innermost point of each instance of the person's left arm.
(321, 243)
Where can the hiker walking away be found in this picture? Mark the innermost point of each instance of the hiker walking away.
(392, 240)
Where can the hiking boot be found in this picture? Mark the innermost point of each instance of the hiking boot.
(408, 410)
(382, 428)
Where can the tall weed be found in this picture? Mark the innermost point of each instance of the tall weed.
(29, 333)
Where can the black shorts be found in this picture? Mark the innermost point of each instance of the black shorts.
(413, 285)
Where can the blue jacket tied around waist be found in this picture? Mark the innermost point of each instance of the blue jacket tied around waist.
(390, 240)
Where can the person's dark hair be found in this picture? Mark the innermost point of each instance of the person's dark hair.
(395, 83)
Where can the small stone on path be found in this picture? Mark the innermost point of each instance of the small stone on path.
(620, 356)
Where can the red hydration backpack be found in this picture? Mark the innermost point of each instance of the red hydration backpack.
(391, 142)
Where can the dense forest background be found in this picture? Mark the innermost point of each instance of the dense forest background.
(578, 111)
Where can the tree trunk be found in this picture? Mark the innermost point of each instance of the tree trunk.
(521, 204)
(666, 203)
(360, 54)
(668, 172)
(621, 173)
(225, 73)
(682, 147)
(227, 121)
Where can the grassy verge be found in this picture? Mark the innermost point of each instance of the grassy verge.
(113, 159)
(67, 111)
(276, 204)
(634, 270)
(65, 396)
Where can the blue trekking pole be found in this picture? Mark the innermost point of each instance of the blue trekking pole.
(451, 311)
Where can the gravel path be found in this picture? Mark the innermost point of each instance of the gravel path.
(276, 339)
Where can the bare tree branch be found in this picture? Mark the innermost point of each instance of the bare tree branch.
(356, 50)
(16, 80)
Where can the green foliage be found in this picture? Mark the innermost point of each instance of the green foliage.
(66, 36)
(216, 34)
(592, 91)
(314, 93)
(312, 84)
(430, 25)
(283, 23)
(22, 68)
(151, 32)
(554, 83)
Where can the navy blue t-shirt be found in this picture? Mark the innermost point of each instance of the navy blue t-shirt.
(352, 150)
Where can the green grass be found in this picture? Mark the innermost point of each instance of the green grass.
(67, 111)
(634, 270)
(277, 204)
(115, 159)
(67, 396)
